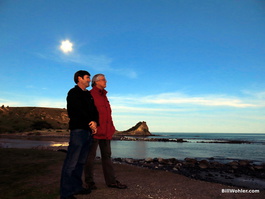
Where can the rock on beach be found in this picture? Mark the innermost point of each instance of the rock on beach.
(208, 170)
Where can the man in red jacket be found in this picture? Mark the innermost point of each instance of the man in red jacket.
(102, 138)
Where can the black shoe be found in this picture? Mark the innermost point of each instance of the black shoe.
(118, 185)
(69, 197)
(91, 185)
(83, 191)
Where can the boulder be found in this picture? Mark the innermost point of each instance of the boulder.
(204, 164)
(243, 162)
(148, 159)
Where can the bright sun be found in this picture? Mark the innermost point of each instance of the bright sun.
(66, 46)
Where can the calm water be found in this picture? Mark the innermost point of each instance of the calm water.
(192, 148)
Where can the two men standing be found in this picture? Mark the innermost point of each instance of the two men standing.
(87, 118)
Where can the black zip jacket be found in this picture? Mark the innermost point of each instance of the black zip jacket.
(81, 109)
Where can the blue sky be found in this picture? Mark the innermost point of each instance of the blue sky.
(179, 65)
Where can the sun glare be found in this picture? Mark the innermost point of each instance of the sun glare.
(66, 46)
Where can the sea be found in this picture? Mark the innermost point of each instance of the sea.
(212, 146)
(199, 146)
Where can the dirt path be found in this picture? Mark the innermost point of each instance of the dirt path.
(144, 183)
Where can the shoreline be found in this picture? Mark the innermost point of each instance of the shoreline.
(242, 173)
(146, 138)
(143, 183)
(61, 133)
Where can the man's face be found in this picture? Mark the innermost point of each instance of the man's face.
(84, 81)
(102, 82)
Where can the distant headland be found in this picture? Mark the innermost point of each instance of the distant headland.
(26, 120)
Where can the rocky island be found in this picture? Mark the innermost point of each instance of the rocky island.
(140, 129)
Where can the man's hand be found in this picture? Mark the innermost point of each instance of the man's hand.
(93, 126)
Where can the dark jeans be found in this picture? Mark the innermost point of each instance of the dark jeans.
(78, 149)
(107, 165)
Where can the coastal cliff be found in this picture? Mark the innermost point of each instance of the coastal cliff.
(140, 128)
(27, 119)
(20, 119)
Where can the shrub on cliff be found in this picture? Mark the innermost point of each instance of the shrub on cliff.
(38, 125)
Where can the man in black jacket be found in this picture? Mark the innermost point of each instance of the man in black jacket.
(83, 123)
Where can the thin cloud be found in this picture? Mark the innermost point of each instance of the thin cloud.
(131, 109)
(15, 99)
(126, 72)
(258, 95)
(203, 101)
(50, 103)
(6, 102)
(178, 98)
(96, 62)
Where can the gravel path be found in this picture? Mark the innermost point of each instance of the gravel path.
(144, 183)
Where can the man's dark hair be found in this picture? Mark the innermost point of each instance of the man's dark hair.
(80, 73)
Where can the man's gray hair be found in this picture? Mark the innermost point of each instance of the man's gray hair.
(96, 78)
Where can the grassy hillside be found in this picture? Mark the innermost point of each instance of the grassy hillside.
(19, 119)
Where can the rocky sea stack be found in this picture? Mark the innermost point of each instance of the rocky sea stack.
(140, 129)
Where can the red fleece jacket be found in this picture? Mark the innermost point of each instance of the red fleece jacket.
(106, 128)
